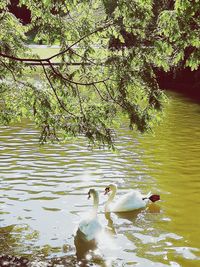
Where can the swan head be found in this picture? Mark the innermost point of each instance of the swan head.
(111, 187)
(92, 192)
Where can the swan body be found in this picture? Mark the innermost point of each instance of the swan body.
(90, 227)
(131, 201)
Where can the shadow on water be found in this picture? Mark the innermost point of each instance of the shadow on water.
(111, 226)
(131, 215)
(153, 208)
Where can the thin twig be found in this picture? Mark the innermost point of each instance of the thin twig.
(80, 101)
(79, 40)
(54, 90)
(112, 96)
(14, 78)
(9, 70)
(99, 93)
(70, 81)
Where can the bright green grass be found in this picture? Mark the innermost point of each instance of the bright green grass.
(46, 52)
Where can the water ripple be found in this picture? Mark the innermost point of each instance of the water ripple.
(44, 191)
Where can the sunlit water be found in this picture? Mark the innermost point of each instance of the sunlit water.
(44, 194)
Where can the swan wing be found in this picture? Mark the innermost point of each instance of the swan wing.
(128, 202)
(90, 228)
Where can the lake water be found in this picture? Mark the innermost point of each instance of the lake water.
(44, 194)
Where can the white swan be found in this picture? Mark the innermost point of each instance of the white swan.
(90, 227)
(130, 201)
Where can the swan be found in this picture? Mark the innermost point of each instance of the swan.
(90, 227)
(131, 201)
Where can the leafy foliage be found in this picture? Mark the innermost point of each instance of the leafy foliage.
(108, 53)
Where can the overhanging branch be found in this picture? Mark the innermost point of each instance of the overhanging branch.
(79, 40)
(42, 60)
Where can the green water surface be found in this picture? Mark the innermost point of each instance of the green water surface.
(43, 194)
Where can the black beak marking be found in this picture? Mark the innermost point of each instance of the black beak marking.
(107, 190)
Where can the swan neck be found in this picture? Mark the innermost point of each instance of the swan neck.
(95, 201)
(112, 195)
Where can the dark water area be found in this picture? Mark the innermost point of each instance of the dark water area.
(43, 195)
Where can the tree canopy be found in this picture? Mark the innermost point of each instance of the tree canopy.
(109, 51)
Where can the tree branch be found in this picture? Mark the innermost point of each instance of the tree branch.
(99, 93)
(10, 70)
(58, 54)
(115, 101)
(22, 59)
(80, 101)
(79, 40)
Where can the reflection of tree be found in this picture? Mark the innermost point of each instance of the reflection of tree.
(14, 239)
(8, 241)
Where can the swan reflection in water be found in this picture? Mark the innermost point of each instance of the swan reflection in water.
(83, 246)
(100, 251)
(111, 226)
(92, 251)
(153, 208)
(131, 216)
